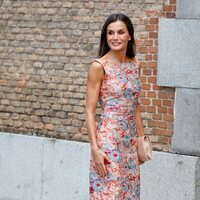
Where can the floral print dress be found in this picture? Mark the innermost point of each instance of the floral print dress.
(117, 134)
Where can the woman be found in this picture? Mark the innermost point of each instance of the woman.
(113, 80)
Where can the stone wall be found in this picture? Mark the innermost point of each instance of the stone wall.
(45, 50)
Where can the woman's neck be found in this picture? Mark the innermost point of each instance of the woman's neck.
(117, 57)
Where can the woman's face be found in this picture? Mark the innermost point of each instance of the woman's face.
(117, 36)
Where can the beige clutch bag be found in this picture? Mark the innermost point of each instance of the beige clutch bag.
(144, 148)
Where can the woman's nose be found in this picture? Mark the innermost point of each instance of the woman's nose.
(115, 36)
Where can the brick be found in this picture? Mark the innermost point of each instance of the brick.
(14, 116)
(153, 21)
(167, 147)
(160, 124)
(77, 123)
(168, 103)
(52, 86)
(156, 102)
(39, 125)
(4, 115)
(81, 116)
(170, 126)
(28, 124)
(55, 121)
(162, 109)
(139, 42)
(152, 64)
(146, 86)
(143, 108)
(149, 27)
(145, 101)
(46, 106)
(167, 132)
(167, 8)
(143, 49)
(143, 94)
(67, 5)
(62, 87)
(164, 140)
(156, 87)
(144, 36)
(151, 79)
(172, 1)
(153, 138)
(17, 124)
(151, 94)
(5, 102)
(148, 57)
(35, 118)
(170, 15)
(41, 11)
(164, 95)
(67, 108)
(154, 72)
(143, 79)
(8, 122)
(46, 4)
(61, 114)
(156, 131)
(152, 124)
(153, 34)
(151, 109)
(78, 109)
(56, 107)
(148, 42)
(149, 13)
(157, 147)
(40, 112)
(79, 95)
(49, 127)
(46, 119)
(168, 118)
(156, 116)
(170, 111)
(153, 49)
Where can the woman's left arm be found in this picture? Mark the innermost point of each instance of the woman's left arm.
(138, 118)
(138, 122)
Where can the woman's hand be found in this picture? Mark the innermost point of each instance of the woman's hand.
(141, 162)
(100, 158)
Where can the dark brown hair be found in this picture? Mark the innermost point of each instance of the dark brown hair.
(104, 48)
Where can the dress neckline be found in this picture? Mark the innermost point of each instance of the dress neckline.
(119, 63)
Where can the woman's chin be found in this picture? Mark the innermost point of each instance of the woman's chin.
(117, 48)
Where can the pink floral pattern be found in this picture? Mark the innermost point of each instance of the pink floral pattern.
(117, 134)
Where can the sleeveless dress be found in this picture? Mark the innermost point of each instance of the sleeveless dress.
(116, 134)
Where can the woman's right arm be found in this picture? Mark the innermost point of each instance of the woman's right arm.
(95, 76)
(94, 80)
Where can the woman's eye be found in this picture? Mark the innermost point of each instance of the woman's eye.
(110, 33)
(121, 32)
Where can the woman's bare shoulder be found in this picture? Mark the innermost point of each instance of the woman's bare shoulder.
(96, 70)
(95, 65)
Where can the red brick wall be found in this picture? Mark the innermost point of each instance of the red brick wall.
(156, 102)
(45, 51)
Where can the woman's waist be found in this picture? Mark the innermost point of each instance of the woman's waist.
(120, 110)
(118, 115)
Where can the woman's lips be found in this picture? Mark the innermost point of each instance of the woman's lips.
(116, 43)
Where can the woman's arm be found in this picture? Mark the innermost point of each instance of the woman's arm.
(95, 76)
(139, 123)
(94, 80)
(138, 119)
